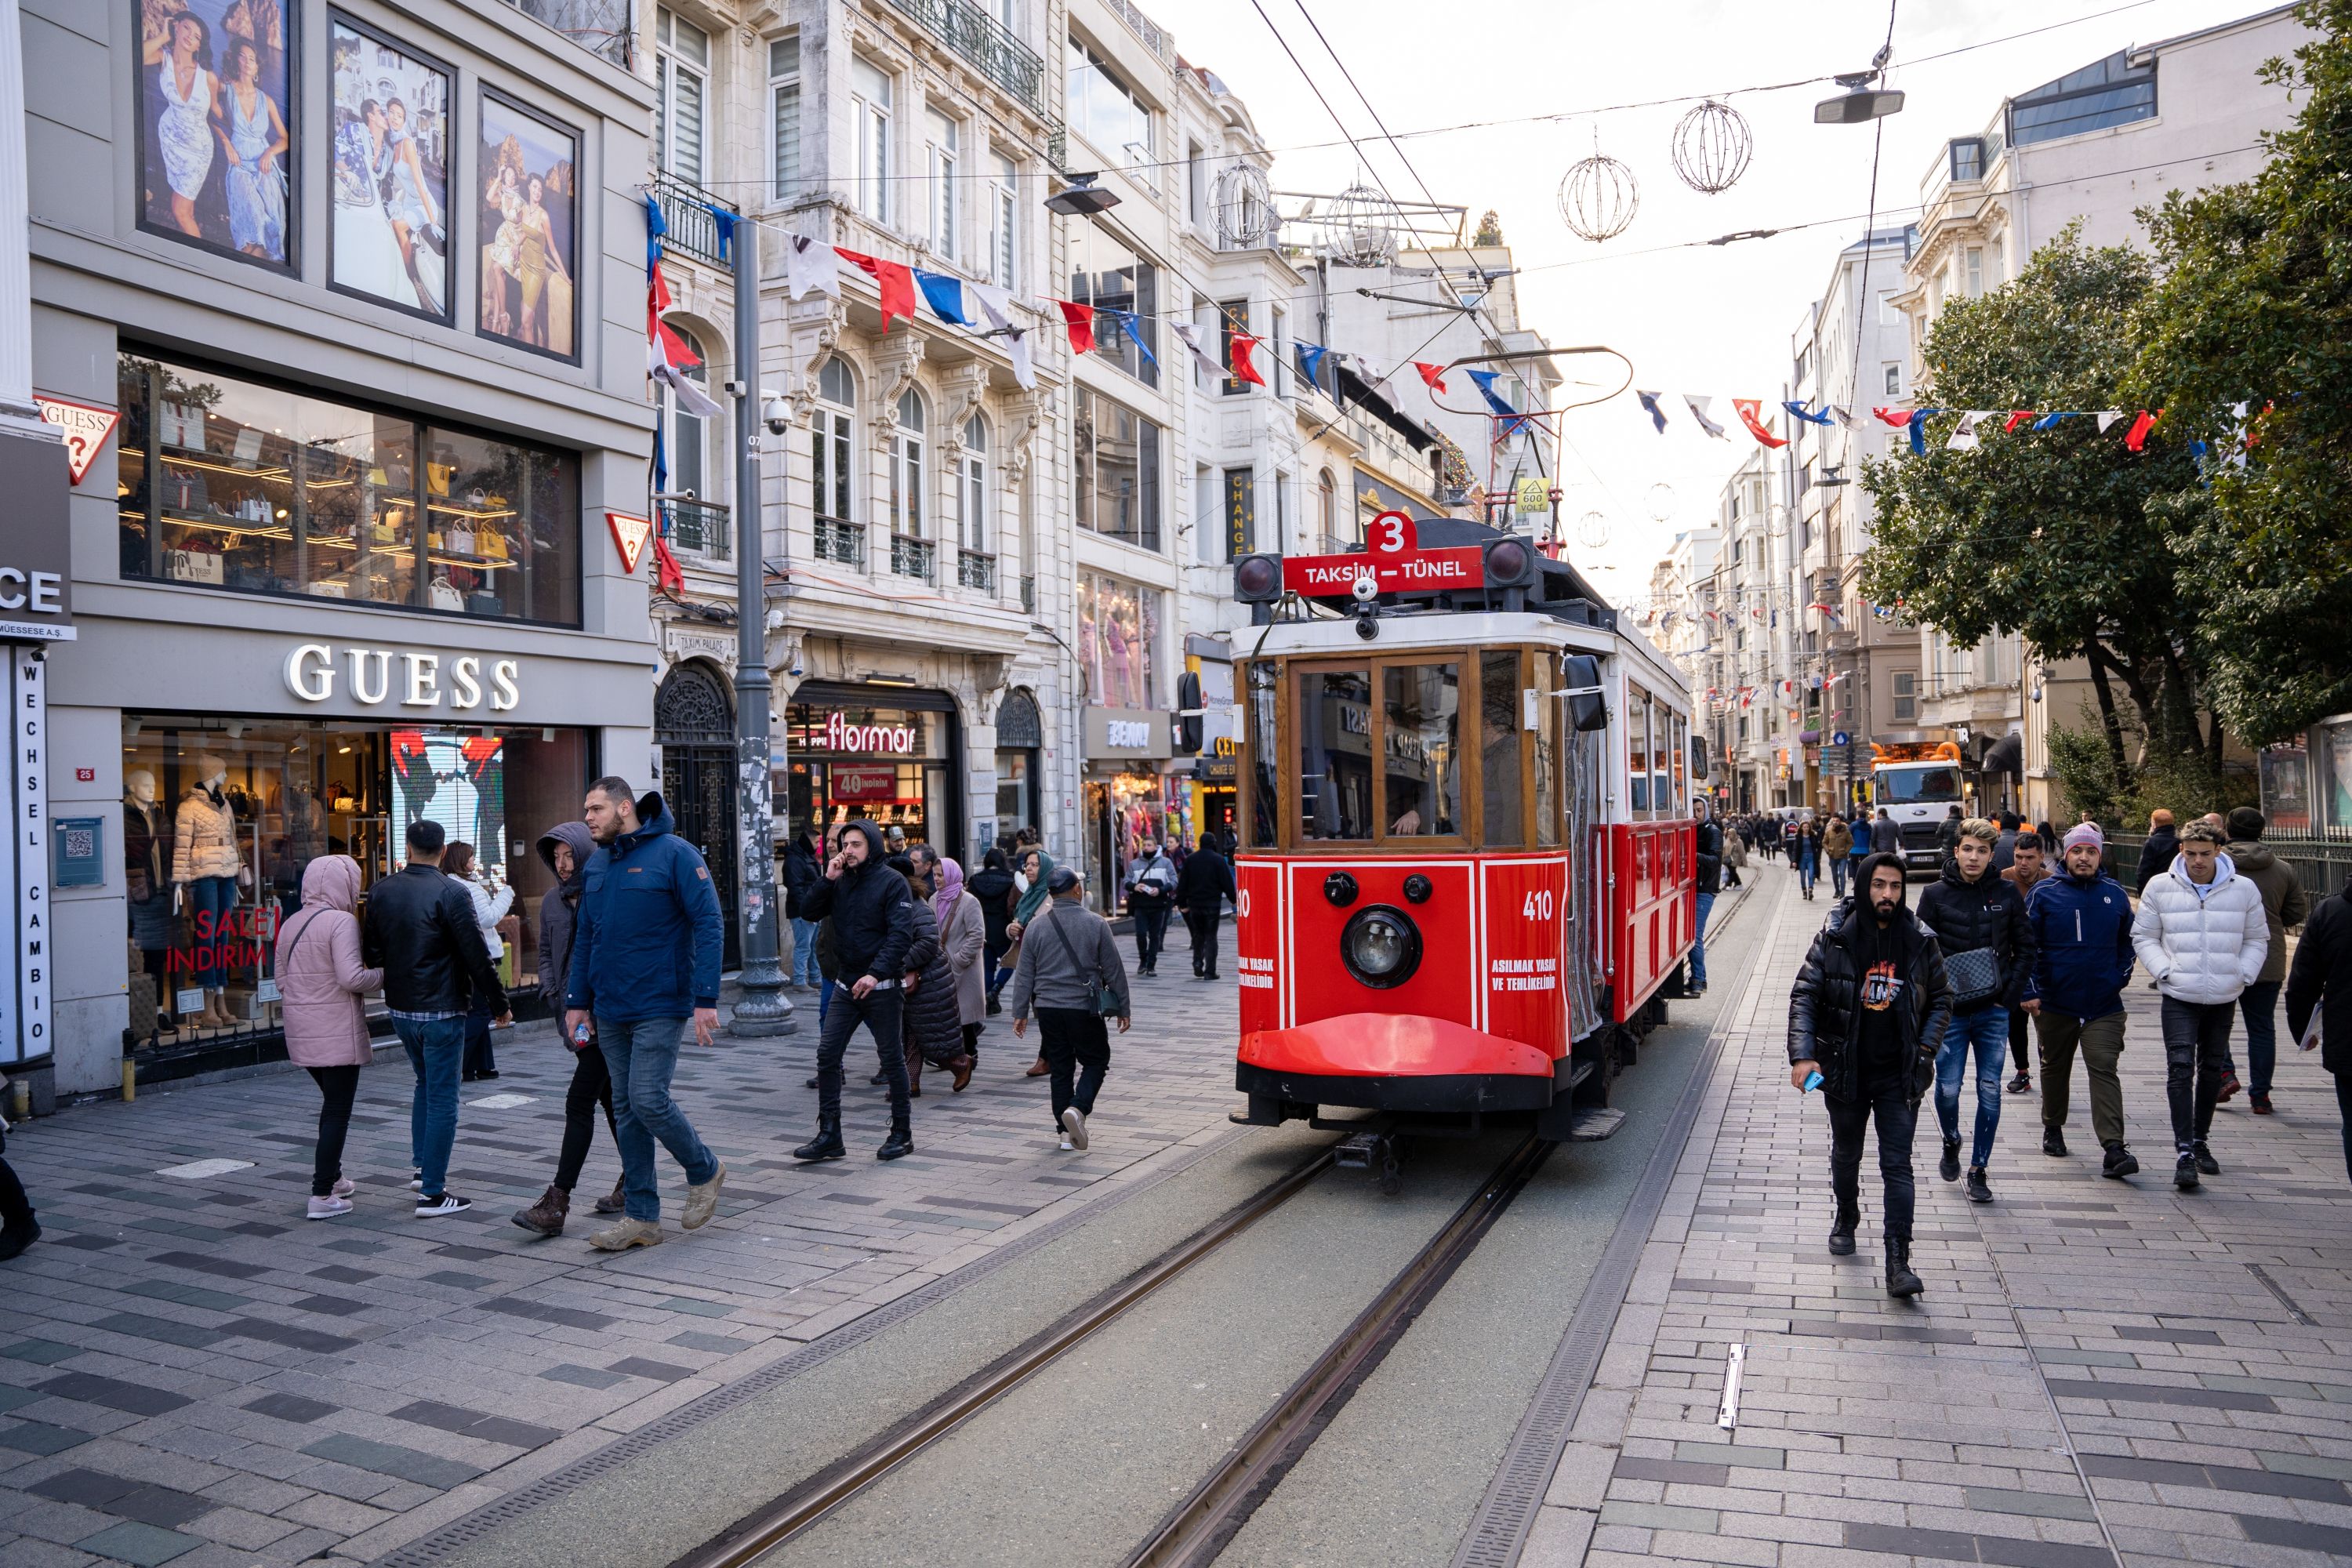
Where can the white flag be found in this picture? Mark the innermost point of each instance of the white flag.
(1838, 413)
(2108, 416)
(1190, 336)
(996, 304)
(691, 398)
(809, 266)
(1698, 411)
(1964, 433)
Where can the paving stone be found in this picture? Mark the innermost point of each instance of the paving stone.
(137, 1399)
(140, 1543)
(585, 1376)
(291, 1408)
(40, 1437)
(2032, 1505)
(391, 1459)
(2334, 1539)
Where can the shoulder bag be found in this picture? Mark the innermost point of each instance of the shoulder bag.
(1106, 1000)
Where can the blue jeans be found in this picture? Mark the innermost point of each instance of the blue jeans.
(1699, 941)
(436, 1049)
(1986, 1031)
(1838, 866)
(2259, 1003)
(804, 971)
(824, 990)
(641, 1054)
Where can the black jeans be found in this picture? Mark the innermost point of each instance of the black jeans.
(1897, 1115)
(1150, 932)
(478, 1057)
(15, 1208)
(2343, 1111)
(1073, 1039)
(2196, 1058)
(337, 1088)
(1203, 925)
(879, 1010)
(2020, 1049)
(592, 1085)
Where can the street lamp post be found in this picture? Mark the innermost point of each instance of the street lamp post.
(761, 1010)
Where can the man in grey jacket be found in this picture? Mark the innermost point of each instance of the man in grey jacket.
(1068, 960)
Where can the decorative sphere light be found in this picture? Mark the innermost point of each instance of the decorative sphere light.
(1711, 147)
(1362, 225)
(1593, 531)
(1599, 197)
(1244, 206)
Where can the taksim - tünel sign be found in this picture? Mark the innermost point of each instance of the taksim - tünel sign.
(1417, 572)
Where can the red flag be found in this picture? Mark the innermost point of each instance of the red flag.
(1749, 410)
(1239, 361)
(2138, 438)
(1434, 374)
(1081, 321)
(666, 571)
(1898, 417)
(897, 280)
(2017, 418)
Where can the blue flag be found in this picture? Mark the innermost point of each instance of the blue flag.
(2053, 418)
(654, 229)
(1310, 362)
(944, 295)
(1919, 430)
(1127, 323)
(1513, 421)
(724, 221)
(1650, 406)
(1798, 409)
(661, 476)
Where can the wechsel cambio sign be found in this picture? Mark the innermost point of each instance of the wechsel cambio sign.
(375, 676)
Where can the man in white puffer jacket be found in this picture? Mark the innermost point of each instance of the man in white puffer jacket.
(2201, 931)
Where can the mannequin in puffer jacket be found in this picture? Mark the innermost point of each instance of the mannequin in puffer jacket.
(2201, 932)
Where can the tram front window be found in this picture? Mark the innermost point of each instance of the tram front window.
(1421, 764)
(1501, 794)
(1334, 722)
(1265, 794)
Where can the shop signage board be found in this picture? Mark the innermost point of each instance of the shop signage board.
(24, 867)
(1125, 733)
(842, 733)
(857, 782)
(380, 677)
(629, 536)
(36, 582)
(1393, 557)
(84, 426)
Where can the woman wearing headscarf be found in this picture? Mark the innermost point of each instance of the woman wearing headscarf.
(963, 937)
(322, 978)
(1034, 864)
(930, 1027)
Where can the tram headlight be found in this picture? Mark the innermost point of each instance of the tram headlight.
(1380, 946)
(1257, 579)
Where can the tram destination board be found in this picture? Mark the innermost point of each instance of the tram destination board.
(1394, 560)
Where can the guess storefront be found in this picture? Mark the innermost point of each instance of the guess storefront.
(888, 754)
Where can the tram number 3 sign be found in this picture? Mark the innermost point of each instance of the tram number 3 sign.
(1393, 559)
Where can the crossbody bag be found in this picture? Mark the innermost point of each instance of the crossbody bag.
(1106, 1000)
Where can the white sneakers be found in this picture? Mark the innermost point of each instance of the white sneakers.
(328, 1207)
(447, 1202)
(1074, 1123)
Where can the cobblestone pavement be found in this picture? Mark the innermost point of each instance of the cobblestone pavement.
(2100, 1371)
(192, 1374)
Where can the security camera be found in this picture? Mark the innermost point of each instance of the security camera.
(1367, 622)
(779, 415)
(1367, 589)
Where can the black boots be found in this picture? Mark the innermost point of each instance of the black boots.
(2053, 1142)
(2120, 1161)
(1901, 1282)
(900, 1143)
(1841, 1233)
(1949, 1166)
(826, 1144)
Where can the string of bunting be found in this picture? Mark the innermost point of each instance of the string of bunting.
(1967, 434)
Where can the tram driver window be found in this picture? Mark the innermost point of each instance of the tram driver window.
(1333, 718)
(1500, 790)
(1420, 742)
(1549, 719)
(1637, 752)
(1266, 792)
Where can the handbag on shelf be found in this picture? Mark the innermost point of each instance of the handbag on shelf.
(192, 566)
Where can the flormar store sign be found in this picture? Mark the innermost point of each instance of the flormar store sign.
(379, 676)
(841, 734)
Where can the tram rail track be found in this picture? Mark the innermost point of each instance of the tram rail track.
(1199, 1526)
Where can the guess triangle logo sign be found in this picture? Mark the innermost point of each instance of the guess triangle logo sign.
(629, 536)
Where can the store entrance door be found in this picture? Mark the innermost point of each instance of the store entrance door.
(695, 728)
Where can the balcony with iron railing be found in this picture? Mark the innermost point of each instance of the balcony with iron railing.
(977, 570)
(686, 209)
(1028, 596)
(915, 558)
(983, 40)
(841, 542)
(602, 28)
(697, 527)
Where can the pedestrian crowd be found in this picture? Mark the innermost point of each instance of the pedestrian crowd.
(1896, 999)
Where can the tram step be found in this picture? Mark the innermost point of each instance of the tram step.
(1595, 1124)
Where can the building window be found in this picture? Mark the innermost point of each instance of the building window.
(1109, 276)
(1105, 111)
(946, 141)
(1233, 316)
(1891, 378)
(971, 487)
(1196, 186)
(784, 114)
(1326, 512)
(906, 467)
(1906, 694)
(869, 105)
(1119, 635)
(1972, 270)
(1003, 224)
(681, 66)
(1969, 158)
(1115, 469)
(236, 485)
(687, 434)
(830, 443)
(2112, 91)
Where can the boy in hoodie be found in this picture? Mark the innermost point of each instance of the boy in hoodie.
(872, 915)
(566, 849)
(2285, 906)
(2082, 921)
(2202, 933)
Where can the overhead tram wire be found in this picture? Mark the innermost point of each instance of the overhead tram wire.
(1870, 222)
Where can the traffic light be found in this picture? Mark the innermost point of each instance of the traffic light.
(1184, 724)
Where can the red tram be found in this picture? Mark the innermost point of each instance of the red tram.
(1467, 872)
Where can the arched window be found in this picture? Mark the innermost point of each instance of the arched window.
(688, 434)
(971, 487)
(1327, 509)
(906, 469)
(829, 441)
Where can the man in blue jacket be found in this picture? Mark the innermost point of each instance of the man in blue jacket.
(2082, 923)
(646, 953)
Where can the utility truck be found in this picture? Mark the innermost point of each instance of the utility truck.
(1918, 783)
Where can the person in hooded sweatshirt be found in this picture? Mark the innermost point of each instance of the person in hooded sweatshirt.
(872, 912)
(2286, 906)
(993, 886)
(322, 981)
(2201, 932)
(963, 940)
(1030, 859)
(566, 849)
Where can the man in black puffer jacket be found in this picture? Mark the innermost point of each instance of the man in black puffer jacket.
(1868, 1007)
(1979, 919)
(872, 915)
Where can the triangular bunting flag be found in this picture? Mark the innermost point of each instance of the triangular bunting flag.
(1080, 319)
(724, 222)
(1310, 362)
(1434, 375)
(2108, 417)
(629, 536)
(1918, 424)
(1900, 418)
(1964, 435)
(895, 279)
(1798, 409)
(2137, 437)
(811, 265)
(1129, 324)
(1843, 414)
(2017, 417)
(944, 295)
(1751, 414)
(1649, 401)
(1190, 336)
(1243, 369)
(1698, 407)
(2051, 418)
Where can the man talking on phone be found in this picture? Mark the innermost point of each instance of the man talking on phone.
(1868, 1008)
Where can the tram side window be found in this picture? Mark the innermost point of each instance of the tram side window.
(1501, 793)
(1662, 788)
(1421, 738)
(1333, 720)
(1637, 752)
(1548, 722)
(1679, 759)
(1266, 792)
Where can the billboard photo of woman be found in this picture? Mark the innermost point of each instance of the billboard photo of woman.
(214, 81)
(527, 170)
(390, 237)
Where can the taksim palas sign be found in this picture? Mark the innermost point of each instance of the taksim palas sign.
(375, 676)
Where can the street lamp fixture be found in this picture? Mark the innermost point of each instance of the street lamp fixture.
(1082, 197)
(1861, 103)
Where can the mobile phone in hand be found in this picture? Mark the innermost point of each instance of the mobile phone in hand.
(1813, 1081)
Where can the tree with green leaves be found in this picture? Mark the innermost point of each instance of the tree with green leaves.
(2253, 308)
(2051, 536)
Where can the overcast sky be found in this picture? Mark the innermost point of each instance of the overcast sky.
(1712, 320)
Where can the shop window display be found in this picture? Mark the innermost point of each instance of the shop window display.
(221, 818)
(886, 765)
(236, 485)
(1119, 635)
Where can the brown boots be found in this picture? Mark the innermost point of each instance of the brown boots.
(546, 1217)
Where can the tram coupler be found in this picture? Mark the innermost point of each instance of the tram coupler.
(1374, 1151)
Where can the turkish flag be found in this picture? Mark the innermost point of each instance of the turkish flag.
(1241, 365)
(2137, 437)
(2017, 418)
(1434, 374)
(1751, 411)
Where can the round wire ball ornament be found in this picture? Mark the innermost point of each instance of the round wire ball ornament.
(1362, 225)
(1243, 205)
(1662, 501)
(1593, 531)
(1711, 147)
(1598, 198)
